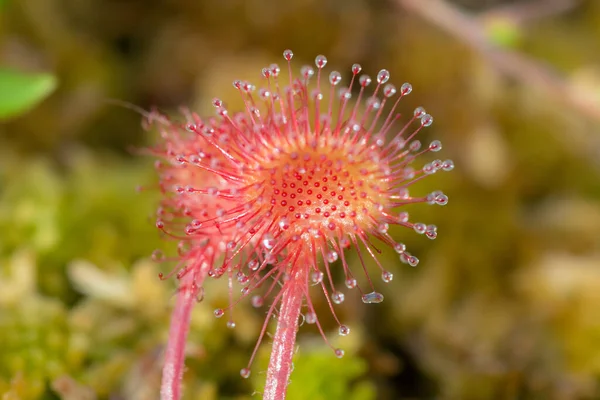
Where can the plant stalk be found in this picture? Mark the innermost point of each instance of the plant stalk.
(284, 341)
(187, 295)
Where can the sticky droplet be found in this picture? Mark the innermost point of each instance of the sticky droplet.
(372, 298)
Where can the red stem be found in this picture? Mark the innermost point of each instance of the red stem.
(284, 341)
(172, 374)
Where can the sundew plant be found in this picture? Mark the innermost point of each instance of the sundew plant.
(269, 198)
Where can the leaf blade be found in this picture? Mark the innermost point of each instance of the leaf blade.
(20, 92)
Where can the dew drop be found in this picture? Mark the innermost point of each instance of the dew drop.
(372, 298)
(245, 373)
(339, 353)
(344, 330)
(387, 276)
(219, 312)
(230, 324)
(338, 297)
(356, 68)
(310, 317)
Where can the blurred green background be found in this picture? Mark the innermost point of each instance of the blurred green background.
(505, 304)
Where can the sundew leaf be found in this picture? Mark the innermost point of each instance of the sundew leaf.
(20, 92)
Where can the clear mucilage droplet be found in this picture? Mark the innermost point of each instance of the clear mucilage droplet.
(245, 373)
(320, 61)
(284, 223)
(335, 77)
(316, 277)
(338, 297)
(387, 276)
(383, 76)
(332, 256)
(257, 301)
(426, 120)
(372, 298)
(420, 228)
(310, 317)
(405, 89)
(268, 241)
(351, 283)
